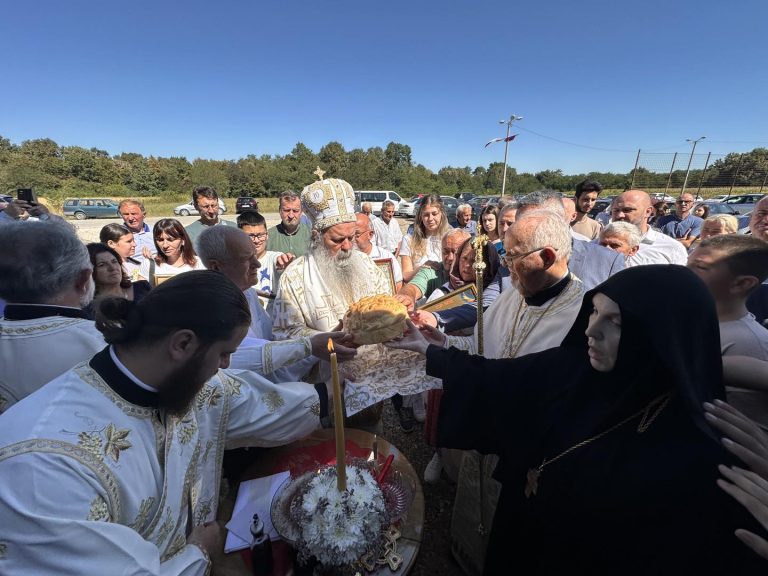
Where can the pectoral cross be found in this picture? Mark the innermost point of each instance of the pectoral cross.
(532, 484)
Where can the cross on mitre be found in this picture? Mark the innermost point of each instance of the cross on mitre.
(319, 173)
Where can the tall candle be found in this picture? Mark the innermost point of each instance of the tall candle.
(338, 413)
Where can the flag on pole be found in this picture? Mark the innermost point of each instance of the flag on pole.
(507, 139)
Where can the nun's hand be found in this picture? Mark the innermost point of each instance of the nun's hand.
(751, 491)
(743, 438)
(412, 340)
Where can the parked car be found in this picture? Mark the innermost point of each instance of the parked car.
(718, 198)
(82, 208)
(743, 203)
(246, 204)
(665, 197)
(716, 208)
(479, 203)
(406, 207)
(450, 205)
(376, 198)
(190, 210)
(601, 204)
(464, 196)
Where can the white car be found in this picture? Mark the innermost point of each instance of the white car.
(407, 207)
(190, 210)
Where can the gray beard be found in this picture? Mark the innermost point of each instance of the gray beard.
(343, 274)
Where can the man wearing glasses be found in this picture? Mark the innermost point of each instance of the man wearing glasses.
(206, 202)
(682, 224)
(271, 263)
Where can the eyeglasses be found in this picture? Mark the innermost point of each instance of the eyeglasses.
(684, 202)
(260, 236)
(509, 258)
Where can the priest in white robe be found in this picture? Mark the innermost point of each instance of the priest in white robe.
(116, 464)
(46, 279)
(535, 316)
(316, 290)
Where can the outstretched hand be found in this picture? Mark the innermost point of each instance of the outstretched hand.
(746, 440)
(342, 345)
(417, 340)
(743, 438)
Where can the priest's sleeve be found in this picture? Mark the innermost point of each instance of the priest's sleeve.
(486, 404)
(58, 517)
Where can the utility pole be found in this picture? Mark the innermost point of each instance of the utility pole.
(506, 145)
(690, 159)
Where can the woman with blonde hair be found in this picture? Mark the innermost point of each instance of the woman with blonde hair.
(422, 246)
(716, 226)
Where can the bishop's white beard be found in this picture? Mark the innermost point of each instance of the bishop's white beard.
(342, 273)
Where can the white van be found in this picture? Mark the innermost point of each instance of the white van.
(376, 198)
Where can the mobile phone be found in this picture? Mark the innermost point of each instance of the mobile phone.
(27, 195)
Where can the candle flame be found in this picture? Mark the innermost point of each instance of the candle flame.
(330, 346)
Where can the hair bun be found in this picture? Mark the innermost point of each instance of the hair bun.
(118, 319)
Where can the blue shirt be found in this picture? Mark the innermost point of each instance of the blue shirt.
(471, 227)
(673, 226)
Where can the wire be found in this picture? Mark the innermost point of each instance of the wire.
(518, 127)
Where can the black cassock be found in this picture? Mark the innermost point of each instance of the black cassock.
(628, 502)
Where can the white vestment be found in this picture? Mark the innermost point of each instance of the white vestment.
(658, 248)
(305, 306)
(285, 361)
(34, 352)
(104, 486)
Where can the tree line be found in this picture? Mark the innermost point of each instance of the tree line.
(62, 171)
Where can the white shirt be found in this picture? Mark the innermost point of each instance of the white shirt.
(434, 250)
(387, 236)
(165, 269)
(658, 248)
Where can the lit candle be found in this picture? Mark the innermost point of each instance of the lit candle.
(338, 413)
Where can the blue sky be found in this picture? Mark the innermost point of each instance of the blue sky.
(230, 78)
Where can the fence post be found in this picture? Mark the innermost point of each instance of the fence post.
(735, 174)
(637, 159)
(703, 172)
(669, 178)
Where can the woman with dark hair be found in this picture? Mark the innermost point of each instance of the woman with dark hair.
(488, 219)
(607, 464)
(175, 252)
(423, 244)
(110, 278)
(461, 274)
(121, 240)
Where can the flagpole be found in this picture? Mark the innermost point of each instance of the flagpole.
(506, 146)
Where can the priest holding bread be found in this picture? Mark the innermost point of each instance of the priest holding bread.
(332, 284)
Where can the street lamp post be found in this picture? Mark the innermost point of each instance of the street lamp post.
(506, 145)
(690, 159)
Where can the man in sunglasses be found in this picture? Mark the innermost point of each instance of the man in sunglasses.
(682, 224)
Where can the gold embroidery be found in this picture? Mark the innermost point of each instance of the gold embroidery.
(84, 457)
(208, 396)
(207, 452)
(165, 527)
(315, 409)
(232, 384)
(174, 547)
(91, 442)
(116, 441)
(141, 518)
(22, 330)
(90, 377)
(204, 512)
(99, 511)
(187, 429)
(273, 401)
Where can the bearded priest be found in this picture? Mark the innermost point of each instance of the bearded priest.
(114, 466)
(316, 289)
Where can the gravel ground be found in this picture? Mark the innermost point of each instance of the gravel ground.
(435, 552)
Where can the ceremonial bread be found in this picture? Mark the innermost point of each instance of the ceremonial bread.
(375, 319)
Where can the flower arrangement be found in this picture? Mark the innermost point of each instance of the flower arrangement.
(338, 527)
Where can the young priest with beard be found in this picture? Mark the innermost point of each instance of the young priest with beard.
(116, 463)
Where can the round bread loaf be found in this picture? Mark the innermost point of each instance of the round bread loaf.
(375, 319)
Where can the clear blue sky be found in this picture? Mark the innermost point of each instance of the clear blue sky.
(230, 78)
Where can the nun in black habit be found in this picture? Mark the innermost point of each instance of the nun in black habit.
(606, 462)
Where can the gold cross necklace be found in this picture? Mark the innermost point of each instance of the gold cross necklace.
(649, 413)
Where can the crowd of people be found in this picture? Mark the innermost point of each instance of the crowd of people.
(608, 416)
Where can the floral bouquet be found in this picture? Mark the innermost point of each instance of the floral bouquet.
(338, 528)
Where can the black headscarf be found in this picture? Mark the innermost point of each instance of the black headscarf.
(670, 338)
